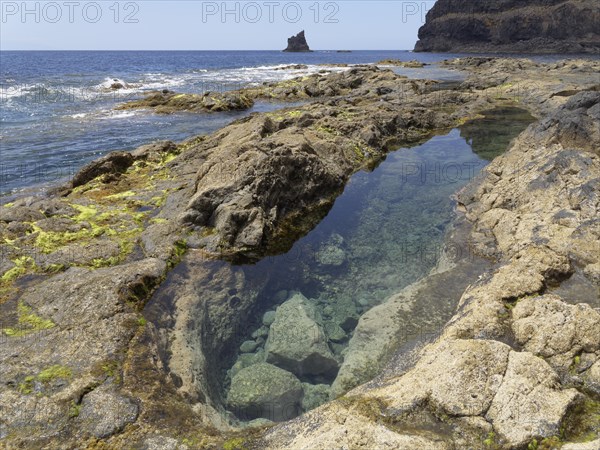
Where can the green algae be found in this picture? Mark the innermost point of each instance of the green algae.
(235, 444)
(46, 376)
(583, 422)
(491, 133)
(29, 322)
(53, 373)
(23, 265)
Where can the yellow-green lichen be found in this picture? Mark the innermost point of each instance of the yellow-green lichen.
(23, 264)
(125, 194)
(179, 249)
(28, 322)
(54, 372)
(234, 444)
(26, 386)
(47, 375)
(327, 129)
(74, 409)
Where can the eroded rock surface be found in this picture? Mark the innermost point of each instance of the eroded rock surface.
(257, 185)
(509, 26)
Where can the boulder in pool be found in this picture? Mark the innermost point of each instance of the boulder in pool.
(265, 391)
(298, 343)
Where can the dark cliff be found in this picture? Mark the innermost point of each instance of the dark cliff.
(512, 26)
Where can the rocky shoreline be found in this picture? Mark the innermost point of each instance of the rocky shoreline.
(82, 365)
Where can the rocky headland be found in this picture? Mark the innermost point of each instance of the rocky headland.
(511, 26)
(518, 365)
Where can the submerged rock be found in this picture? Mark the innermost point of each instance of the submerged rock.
(314, 395)
(298, 343)
(330, 255)
(268, 318)
(248, 346)
(264, 390)
(247, 360)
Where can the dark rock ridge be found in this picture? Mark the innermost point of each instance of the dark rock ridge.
(298, 44)
(512, 26)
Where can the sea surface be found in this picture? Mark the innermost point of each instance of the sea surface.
(57, 108)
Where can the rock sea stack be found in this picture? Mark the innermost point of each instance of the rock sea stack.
(297, 44)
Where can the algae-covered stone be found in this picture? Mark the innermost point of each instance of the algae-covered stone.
(268, 318)
(297, 341)
(330, 255)
(262, 332)
(263, 390)
(314, 395)
(247, 360)
(334, 332)
(248, 346)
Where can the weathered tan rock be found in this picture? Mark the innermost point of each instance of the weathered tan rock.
(457, 377)
(536, 321)
(330, 427)
(593, 445)
(530, 401)
(592, 377)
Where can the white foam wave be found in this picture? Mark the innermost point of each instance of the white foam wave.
(118, 115)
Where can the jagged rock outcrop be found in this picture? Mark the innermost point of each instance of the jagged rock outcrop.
(74, 342)
(297, 44)
(511, 26)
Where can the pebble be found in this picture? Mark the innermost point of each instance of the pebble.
(248, 346)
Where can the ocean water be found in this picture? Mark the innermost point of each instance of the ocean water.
(57, 109)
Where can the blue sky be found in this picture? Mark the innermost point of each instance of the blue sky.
(206, 25)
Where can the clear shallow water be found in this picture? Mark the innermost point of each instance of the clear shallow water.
(384, 232)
